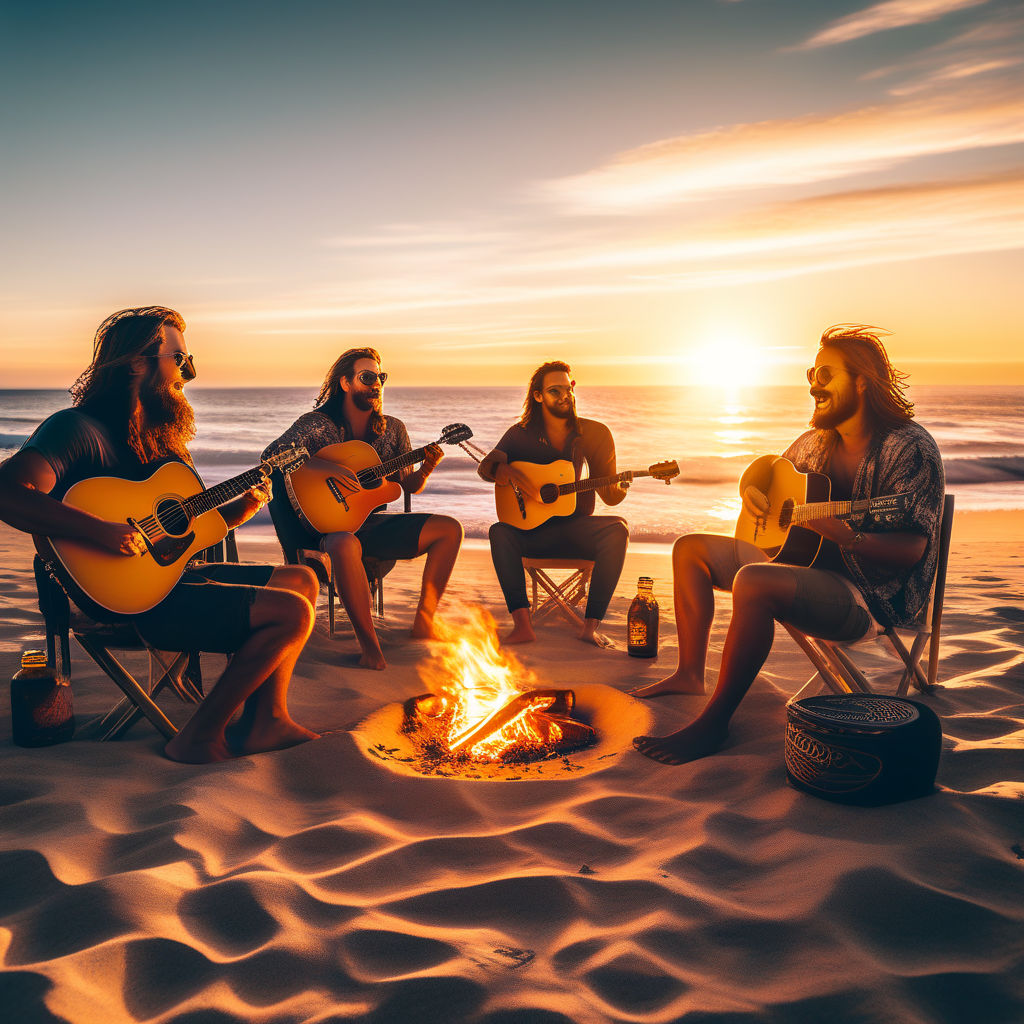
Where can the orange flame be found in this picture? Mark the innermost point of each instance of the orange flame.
(476, 678)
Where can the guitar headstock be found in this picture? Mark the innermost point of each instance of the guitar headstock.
(455, 433)
(287, 460)
(664, 470)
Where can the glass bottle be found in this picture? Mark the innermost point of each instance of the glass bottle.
(642, 621)
(41, 708)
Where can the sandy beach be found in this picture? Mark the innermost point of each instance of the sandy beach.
(316, 884)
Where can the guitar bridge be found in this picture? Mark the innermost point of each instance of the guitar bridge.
(335, 488)
(519, 500)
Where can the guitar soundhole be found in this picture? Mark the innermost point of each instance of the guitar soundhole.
(786, 514)
(172, 517)
(549, 493)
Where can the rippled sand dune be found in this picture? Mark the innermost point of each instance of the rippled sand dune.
(316, 884)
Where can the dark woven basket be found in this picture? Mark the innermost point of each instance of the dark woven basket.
(864, 749)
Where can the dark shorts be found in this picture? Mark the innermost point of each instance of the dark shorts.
(208, 610)
(825, 604)
(391, 536)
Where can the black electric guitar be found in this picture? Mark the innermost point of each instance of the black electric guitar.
(785, 497)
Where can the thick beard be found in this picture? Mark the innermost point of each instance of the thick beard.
(365, 403)
(563, 414)
(829, 418)
(168, 423)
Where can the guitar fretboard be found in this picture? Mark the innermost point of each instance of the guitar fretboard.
(222, 493)
(594, 482)
(373, 473)
(836, 509)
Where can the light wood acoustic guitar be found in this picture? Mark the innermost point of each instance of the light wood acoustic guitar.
(175, 514)
(343, 483)
(558, 488)
(785, 497)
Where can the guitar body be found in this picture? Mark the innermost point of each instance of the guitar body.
(535, 513)
(129, 585)
(327, 494)
(785, 487)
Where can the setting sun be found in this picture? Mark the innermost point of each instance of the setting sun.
(726, 360)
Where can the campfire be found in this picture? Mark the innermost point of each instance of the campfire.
(484, 706)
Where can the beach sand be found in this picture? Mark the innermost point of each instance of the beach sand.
(315, 884)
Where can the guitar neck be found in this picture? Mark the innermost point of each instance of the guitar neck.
(593, 483)
(372, 473)
(832, 509)
(222, 493)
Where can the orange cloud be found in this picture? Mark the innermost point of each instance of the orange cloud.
(793, 152)
(883, 17)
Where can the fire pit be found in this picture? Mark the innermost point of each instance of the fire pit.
(486, 716)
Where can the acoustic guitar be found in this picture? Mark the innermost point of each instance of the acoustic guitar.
(175, 514)
(343, 483)
(558, 488)
(785, 497)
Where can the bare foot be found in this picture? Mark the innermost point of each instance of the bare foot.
(690, 744)
(373, 660)
(678, 682)
(274, 734)
(591, 636)
(180, 748)
(423, 628)
(520, 635)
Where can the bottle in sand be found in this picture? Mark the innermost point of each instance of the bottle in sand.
(642, 621)
(41, 708)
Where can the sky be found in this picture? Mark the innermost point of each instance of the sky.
(680, 192)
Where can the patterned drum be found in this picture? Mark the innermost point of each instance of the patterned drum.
(862, 748)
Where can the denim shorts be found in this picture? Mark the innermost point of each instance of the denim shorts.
(826, 604)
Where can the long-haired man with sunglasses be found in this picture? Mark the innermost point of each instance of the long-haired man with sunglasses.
(547, 431)
(350, 408)
(129, 415)
(866, 576)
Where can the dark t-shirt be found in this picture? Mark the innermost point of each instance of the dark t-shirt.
(591, 443)
(78, 446)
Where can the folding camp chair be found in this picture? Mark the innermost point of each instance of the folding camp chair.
(99, 640)
(566, 597)
(319, 561)
(835, 667)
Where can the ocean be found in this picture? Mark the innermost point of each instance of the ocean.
(713, 434)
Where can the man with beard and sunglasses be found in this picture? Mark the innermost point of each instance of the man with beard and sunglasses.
(549, 430)
(350, 408)
(129, 416)
(864, 440)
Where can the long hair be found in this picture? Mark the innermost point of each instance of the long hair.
(331, 400)
(108, 390)
(532, 415)
(866, 357)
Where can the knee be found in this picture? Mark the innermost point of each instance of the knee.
(500, 535)
(759, 585)
(307, 584)
(617, 535)
(344, 548)
(450, 530)
(690, 550)
(288, 613)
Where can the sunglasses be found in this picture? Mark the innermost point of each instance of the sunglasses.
(557, 390)
(820, 375)
(368, 378)
(181, 361)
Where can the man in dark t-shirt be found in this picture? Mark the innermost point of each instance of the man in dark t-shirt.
(350, 408)
(130, 416)
(549, 431)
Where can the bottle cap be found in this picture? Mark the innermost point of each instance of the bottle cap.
(33, 659)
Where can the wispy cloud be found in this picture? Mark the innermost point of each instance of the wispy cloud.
(883, 17)
(797, 151)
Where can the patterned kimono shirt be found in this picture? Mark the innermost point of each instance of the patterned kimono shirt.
(905, 460)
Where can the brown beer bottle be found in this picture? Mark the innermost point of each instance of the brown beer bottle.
(642, 621)
(41, 708)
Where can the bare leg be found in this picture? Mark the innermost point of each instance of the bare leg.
(522, 628)
(354, 590)
(440, 538)
(759, 597)
(281, 623)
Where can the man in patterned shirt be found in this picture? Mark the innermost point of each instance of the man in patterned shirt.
(864, 440)
(349, 408)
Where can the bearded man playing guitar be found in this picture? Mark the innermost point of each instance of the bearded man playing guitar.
(130, 416)
(349, 408)
(549, 430)
(879, 571)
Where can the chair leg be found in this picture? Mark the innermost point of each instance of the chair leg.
(911, 661)
(828, 672)
(557, 599)
(131, 689)
(330, 605)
